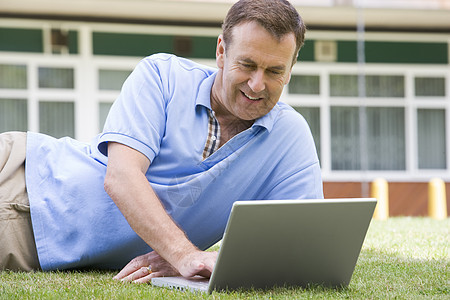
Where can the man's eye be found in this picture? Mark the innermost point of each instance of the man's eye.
(275, 72)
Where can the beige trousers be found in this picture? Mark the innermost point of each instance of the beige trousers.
(17, 245)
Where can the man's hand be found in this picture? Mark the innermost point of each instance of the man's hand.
(137, 271)
(198, 263)
(143, 268)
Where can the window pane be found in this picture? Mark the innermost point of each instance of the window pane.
(431, 138)
(385, 86)
(345, 138)
(312, 116)
(57, 118)
(112, 79)
(13, 76)
(57, 78)
(376, 86)
(13, 115)
(385, 138)
(428, 86)
(304, 84)
(343, 85)
(103, 111)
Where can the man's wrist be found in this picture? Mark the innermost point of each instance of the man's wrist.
(186, 253)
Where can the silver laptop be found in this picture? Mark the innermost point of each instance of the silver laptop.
(286, 243)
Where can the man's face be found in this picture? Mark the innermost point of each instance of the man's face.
(253, 71)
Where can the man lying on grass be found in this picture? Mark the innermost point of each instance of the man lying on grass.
(181, 143)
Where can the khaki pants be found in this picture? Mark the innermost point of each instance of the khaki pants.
(17, 245)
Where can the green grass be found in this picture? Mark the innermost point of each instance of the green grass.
(402, 258)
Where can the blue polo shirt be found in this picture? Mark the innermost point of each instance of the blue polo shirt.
(162, 112)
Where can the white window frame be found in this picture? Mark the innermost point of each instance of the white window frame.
(410, 102)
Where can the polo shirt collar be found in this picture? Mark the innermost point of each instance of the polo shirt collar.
(268, 120)
(204, 91)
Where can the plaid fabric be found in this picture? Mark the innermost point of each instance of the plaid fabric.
(213, 140)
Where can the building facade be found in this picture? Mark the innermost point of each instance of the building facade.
(373, 79)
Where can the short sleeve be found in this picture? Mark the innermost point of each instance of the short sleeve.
(137, 118)
(304, 184)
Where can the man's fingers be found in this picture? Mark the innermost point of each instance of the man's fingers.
(203, 269)
(133, 266)
(137, 275)
(148, 278)
(200, 264)
(145, 279)
(126, 271)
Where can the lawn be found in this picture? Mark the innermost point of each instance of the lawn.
(403, 258)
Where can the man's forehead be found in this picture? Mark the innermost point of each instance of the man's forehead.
(247, 29)
(247, 44)
(244, 25)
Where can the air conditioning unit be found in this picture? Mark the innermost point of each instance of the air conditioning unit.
(325, 51)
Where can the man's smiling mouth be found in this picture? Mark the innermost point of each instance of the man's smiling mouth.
(251, 98)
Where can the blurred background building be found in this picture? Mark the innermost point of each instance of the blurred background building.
(373, 79)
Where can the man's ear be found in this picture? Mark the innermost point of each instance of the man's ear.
(220, 52)
(290, 71)
(288, 79)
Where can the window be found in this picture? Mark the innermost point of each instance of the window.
(385, 86)
(376, 85)
(304, 84)
(103, 113)
(13, 76)
(13, 115)
(430, 86)
(431, 139)
(385, 138)
(343, 85)
(345, 144)
(57, 118)
(56, 78)
(312, 116)
(13, 111)
(112, 79)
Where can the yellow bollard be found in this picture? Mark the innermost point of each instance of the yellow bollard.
(437, 202)
(380, 191)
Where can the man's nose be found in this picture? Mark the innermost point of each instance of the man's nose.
(256, 81)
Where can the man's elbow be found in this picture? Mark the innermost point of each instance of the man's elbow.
(110, 183)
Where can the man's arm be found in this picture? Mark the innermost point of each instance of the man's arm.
(126, 184)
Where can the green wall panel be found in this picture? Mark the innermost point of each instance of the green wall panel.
(145, 44)
(130, 44)
(73, 41)
(395, 52)
(347, 51)
(307, 51)
(21, 40)
(204, 47)
(407, 52)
